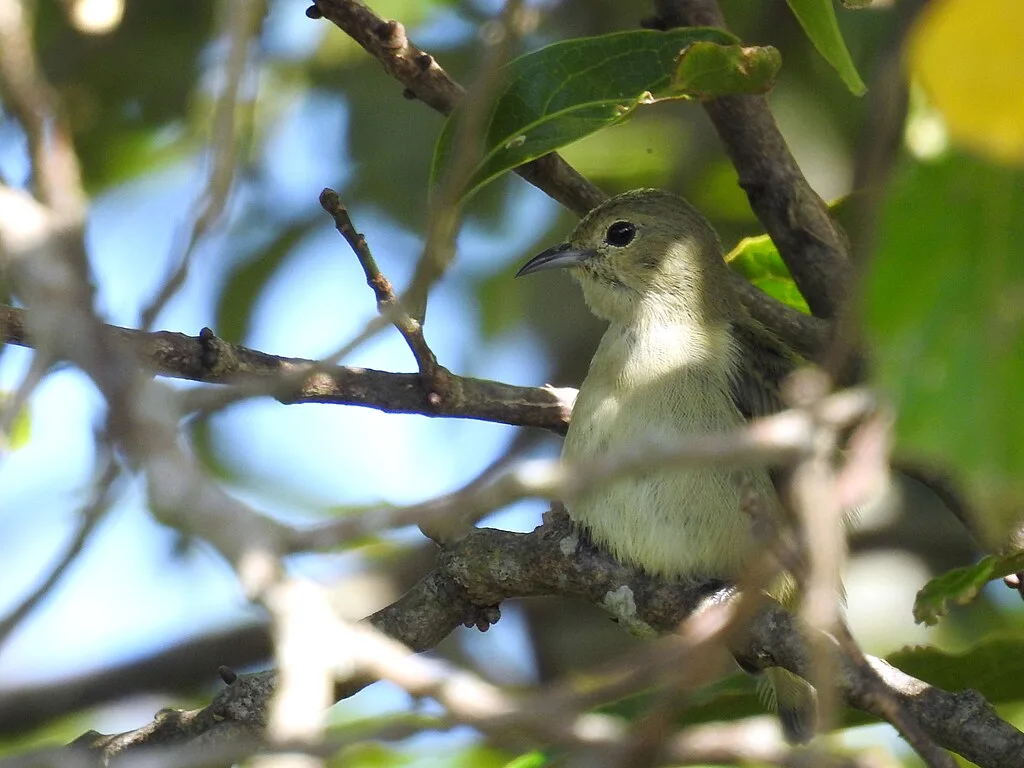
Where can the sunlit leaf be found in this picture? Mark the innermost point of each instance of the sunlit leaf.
(758, 260)
(961, 585)
(529, 760)
(818, 18)
(561, 93)
(709, 70)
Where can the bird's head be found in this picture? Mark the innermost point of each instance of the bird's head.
(643, 250)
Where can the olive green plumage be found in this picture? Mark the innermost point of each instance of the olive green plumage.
(681, 356)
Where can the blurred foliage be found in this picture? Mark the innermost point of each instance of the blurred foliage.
(967, 54)
(942, 303)
(127, 93)
(944, 308)
(992, 666)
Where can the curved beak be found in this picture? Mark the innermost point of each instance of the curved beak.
(559, 257)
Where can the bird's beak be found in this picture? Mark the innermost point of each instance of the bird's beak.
(559, 257)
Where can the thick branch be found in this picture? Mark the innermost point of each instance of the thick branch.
(489, 566)
(796, 218)
(208, 359)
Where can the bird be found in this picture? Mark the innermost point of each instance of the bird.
(681, 356)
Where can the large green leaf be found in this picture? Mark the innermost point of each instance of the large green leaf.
(962, 585)
(818, 18)
(944, 310)
(561, 93)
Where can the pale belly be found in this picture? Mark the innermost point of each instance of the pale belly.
(671, 523)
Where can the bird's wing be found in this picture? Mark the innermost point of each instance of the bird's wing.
(764, 361)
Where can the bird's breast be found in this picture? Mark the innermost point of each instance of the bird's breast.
(645, 386)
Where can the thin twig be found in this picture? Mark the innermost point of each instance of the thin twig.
(206, 358)
(388, 304)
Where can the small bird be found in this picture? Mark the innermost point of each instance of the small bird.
(681, 356)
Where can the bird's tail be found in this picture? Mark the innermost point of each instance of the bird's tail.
(795, 700)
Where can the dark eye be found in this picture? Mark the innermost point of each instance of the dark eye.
(620, 234)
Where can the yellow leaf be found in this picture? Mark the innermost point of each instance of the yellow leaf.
(969, 57)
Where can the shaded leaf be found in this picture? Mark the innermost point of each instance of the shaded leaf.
(709, 70)
(945, 310)
(994, 667)
(961, 585)
(561, 93)
(758, 260)
(818, 18)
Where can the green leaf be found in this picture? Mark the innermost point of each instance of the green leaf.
(559, 94)
(993, 667)
(962, 585)
(757, 259)
(818, 18)
(529, 760)
(707, 70)
(945, 319)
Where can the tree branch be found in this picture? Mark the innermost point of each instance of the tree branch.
(206, 358)
(792, 213)
(489, 566)
(387, 302)
(425, 79)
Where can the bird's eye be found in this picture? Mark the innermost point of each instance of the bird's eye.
(620, 234)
